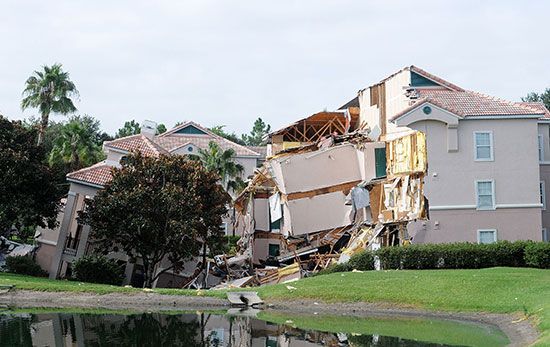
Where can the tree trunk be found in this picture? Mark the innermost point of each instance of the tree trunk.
(204, 263)
(148, 273)
(42, 128)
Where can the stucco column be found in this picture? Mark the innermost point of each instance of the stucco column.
(128, 271)
(68, 216)
(83, 241)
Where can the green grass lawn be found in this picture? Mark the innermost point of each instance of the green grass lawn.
(501, 290)
(47, 285)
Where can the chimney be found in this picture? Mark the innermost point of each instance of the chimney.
(148, 129)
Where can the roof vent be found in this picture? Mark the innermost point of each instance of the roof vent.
(149, 128)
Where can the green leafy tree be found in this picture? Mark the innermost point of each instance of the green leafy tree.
(28, 195)
(158, 208)
(77, 144)
(130, 128)
(542, 97)
(256, 136)
(222, 162)
(161, 128)
(218, 130)
(49, 90)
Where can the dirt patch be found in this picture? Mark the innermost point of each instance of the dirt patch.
(520, 331)
(114, 301)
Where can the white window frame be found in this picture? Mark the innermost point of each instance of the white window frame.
(491, 146)
(479, 231)
(545, 235)
(542, 189)
(540, 142)
(477, 182)
(224, 227)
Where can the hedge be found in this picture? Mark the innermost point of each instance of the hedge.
(452, 256)
(538, 255)
(98, 269)
(24, 265)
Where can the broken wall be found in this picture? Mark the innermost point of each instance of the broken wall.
(312, 170)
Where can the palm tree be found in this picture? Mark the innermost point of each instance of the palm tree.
(49, 91)
(76, 145)
(223, 163)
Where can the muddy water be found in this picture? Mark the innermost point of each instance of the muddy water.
(41, 328)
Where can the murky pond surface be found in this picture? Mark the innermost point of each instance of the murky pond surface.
(207, 329)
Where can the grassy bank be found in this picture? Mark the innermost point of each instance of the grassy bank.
(499, 290)
(47, 285)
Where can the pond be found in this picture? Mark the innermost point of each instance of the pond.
(42, 328)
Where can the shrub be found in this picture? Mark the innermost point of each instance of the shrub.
(98, 269)
(230, 245)
(390, 257)
(24, 265)
(538, 255)
(363, 261)
(335, 268)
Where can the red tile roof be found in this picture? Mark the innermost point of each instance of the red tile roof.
(98, 174)
(171, 141)
(539, 106)
(139, 143)
(469, 104)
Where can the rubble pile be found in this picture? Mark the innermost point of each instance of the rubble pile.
(313, 204)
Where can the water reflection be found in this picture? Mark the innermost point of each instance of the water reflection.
(156, 329)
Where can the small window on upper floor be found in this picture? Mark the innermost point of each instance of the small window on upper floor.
(485, 194)
(542, 192)
(483, 145)
(541, 147)
(487, 236)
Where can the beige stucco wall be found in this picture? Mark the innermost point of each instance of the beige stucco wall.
(395, 100)
(452, 175)
(462, 225)
(319, 169)
(321, 212)
(44, 256)
(450, 183)
(249, 164)
(545, 177)
(261, 214)
(261, 248)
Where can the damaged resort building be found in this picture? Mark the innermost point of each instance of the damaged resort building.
(410, 159)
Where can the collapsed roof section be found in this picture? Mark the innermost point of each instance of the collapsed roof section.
(324, 201)
(313, 128)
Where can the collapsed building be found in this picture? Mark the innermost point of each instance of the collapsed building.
(329, 188)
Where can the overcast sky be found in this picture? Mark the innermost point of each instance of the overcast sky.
(228, 62)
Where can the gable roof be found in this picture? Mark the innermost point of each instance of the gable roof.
(434, 78)
(173, 139)
(96, 175)
(139, 143)
(469, 104)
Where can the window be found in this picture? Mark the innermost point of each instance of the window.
(485, 191)
(273, 250)
(545, 235)
(223, 228)
(380, 161)
(541, 148)
(483, 143)
(487, 236)
(542, 192)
